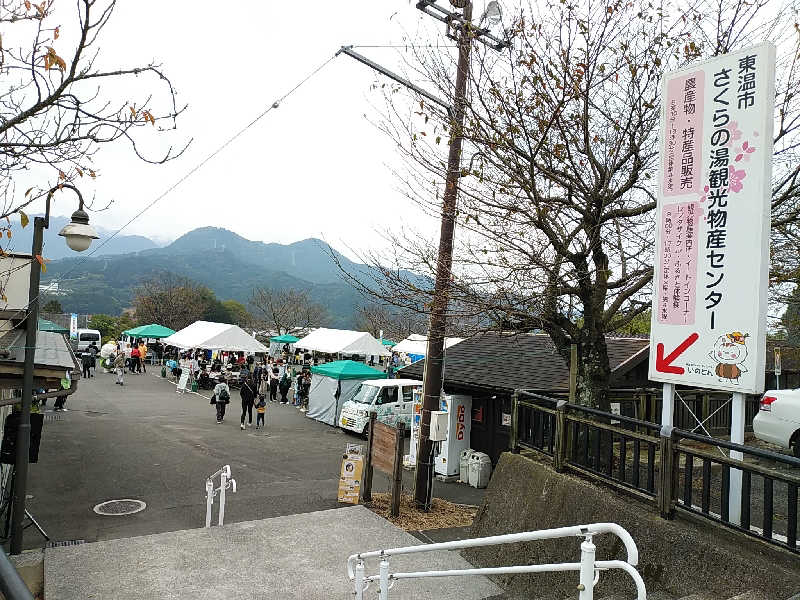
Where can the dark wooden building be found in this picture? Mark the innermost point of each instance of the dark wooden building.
(489, 367)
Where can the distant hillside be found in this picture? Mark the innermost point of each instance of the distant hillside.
(228, 264)
(55, 247)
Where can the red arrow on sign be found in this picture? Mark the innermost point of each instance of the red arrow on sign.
(664, 364)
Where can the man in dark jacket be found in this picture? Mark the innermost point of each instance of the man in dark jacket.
(248, 394)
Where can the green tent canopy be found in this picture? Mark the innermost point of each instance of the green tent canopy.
(45, 325)
(284, 339)
(348, 369)
(149, 331)
(388, 343)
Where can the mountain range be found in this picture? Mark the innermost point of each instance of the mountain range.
(230, 265)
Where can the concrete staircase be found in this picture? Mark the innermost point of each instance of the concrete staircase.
(302, 556)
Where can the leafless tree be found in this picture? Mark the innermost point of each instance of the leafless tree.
(557, 194)
(396, 324)
(58, 105)
(281, 310)
(170, 300)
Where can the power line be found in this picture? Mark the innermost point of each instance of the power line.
(191, 172)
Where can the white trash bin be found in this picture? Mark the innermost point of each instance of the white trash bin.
(463, 465)
(480, 469)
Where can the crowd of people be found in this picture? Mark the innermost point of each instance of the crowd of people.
(259, 383)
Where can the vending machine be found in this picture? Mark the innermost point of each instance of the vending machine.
(459, 421)
(416, 417)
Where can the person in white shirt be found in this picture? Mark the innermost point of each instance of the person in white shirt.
(221, 397)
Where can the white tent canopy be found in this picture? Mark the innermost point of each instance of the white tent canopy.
(418, 344)
(335, 341)
(214, 336)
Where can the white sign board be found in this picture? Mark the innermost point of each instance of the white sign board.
(73, 326)
(712, 223)
(777, 361)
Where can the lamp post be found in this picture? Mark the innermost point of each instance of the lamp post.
(79, 235)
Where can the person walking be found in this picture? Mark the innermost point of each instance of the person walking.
(86, 363)
(248, 394)
(221, 397)
(261, 409)
(94, 350)
(284, 385)
(273, 384)
(306, 389)
(142, 355)
(135, 368)
(119, 366)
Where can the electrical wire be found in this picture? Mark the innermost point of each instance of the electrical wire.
(191, 172)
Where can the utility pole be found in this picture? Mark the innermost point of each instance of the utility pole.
(434, 356)
(461, 29)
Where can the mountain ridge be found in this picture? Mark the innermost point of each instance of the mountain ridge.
(227, 263)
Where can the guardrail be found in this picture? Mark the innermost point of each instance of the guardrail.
(674, 468)
(11, 583)
(226, 482)
(588, 568)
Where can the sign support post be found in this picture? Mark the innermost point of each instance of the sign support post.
(737, 437)
(668, 405)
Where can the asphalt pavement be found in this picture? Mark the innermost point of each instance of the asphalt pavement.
(144, 441)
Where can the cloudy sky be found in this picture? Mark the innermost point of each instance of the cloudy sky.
(313, 167)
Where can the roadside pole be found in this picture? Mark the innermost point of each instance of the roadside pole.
(434, 358)
(737, 437)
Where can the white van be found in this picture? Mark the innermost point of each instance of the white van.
(86, 337)
(391, 399)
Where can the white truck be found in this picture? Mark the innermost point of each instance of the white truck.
(390, 399)
(778, 419)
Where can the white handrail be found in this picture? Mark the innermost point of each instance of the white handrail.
(225, 483)
(589, 568)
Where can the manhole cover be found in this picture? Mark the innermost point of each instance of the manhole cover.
(125, 506)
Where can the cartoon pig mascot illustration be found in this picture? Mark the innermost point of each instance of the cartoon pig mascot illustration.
(730, 352)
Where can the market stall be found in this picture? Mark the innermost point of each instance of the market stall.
(331, 383)
(416, 346)
(150, 332)
(277, 343)
(342, 341)
(214, 336)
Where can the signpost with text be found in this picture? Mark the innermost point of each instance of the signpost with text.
(708, 324)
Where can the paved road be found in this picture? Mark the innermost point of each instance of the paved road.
(144, 441)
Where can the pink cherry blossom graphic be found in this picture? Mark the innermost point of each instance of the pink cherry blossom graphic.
(735, 178)
(747, 150)
(705, 193)
(736, 133)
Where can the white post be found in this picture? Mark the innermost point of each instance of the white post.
(360, 580)
(737, 437)
(586, 586)
(223, 483)
(209, 500)
(668, 405)
(384, 575)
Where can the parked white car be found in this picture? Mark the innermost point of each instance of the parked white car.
(391, 399)
(778, 419)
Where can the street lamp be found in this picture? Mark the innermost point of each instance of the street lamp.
(79, 235)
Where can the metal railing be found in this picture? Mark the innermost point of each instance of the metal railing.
(225, 483)
(588, 568)
(675, 468)
(11, 584)
(768, 505)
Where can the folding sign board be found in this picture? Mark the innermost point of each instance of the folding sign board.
(713, 222)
